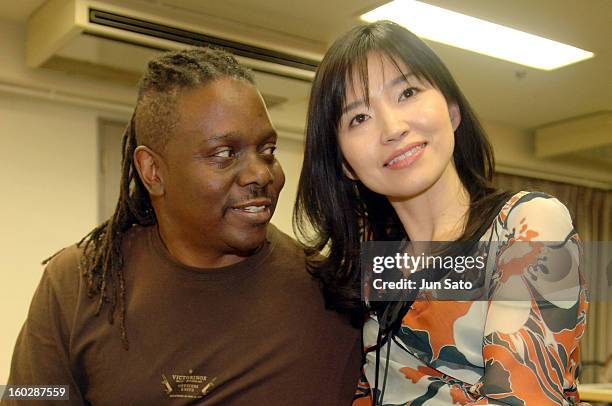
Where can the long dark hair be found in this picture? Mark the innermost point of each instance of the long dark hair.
(335, 214)
(155, 116)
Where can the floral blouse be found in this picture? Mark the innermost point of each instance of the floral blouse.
(506, 352)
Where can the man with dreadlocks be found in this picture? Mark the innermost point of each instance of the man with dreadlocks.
(214, 305)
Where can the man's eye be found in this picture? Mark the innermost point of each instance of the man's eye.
(226, 153)
(358, 119)
(407, 93)
(269, 149)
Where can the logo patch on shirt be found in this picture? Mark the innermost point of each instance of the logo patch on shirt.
(187, 386)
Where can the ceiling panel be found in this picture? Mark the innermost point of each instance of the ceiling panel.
(320, 20)
(18, 10)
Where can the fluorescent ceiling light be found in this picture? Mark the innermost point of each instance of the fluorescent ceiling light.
(473, 34)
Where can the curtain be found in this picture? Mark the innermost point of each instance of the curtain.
(591, 210)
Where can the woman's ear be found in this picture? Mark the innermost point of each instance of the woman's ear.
(348, 171)
(148, 164)
(454, 114)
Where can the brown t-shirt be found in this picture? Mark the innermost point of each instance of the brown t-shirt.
(252, 333)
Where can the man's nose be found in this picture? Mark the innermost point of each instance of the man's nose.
(256, 170)
(394, 124)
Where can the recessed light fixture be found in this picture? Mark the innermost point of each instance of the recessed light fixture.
(462, 31)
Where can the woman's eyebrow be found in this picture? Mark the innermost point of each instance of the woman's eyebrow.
(352, 106)
(402, 78)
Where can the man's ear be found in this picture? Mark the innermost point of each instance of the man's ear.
(455, 115)
(148, 164)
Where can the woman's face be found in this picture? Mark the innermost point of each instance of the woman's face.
(402, 143)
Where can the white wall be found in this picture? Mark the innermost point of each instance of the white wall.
(48, 178)
(289, 153)
(515, 154)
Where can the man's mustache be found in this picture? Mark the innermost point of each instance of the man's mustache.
(254, 193)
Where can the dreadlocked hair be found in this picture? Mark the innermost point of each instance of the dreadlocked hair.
(151, 124)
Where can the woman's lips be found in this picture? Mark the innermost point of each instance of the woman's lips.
(405, 156)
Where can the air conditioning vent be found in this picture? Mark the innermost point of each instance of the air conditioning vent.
(151, 29)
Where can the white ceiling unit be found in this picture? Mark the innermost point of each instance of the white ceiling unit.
(113, 41)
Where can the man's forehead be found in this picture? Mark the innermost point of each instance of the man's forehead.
(220, 93)
(223, 108)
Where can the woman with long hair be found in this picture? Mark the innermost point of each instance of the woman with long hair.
(394, 152)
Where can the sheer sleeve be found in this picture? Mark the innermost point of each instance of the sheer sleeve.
(536, 311)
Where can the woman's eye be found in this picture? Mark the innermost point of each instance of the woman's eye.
(407, 93)
(226, 153)
(358, 119)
